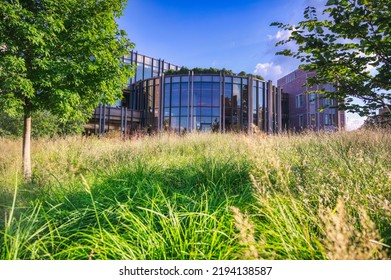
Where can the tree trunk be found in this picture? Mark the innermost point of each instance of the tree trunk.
(27, 148)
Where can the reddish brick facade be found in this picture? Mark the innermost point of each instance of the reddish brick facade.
(304, 108)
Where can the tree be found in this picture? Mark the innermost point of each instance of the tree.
(349, 47)
(63, 57)
(45, 125)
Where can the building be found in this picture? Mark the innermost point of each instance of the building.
(193, 101)
(304, 108)
(208, 102)
(129, 112)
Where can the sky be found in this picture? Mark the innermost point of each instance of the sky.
(230, 34)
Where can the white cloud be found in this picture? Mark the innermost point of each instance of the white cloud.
(269, 71)
(280, 35)
(353, 121)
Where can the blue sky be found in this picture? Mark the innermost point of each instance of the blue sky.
(229, 34)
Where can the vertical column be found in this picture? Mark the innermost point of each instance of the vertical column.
(122, 119)
(100, 120)
(221, 103)
(161, 98)
(104, 119)
(279, 110)
(250, 108)
(191, 102)
(270, 107)
(126, 124)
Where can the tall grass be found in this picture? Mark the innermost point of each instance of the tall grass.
(199, 196)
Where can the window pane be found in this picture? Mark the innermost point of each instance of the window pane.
(147, 72)
(206, 111)
(184, 111)
(175, 95)
(175, 112)
(236, 96)
(139, 74)
(215, 97)
(236, 80)
(184, 95)
(215, 112)
(216, 79)
(206, 78)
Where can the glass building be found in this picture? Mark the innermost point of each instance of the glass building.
(219, 102)
(205, 102)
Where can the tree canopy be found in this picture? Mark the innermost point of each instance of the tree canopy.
(63, 57)
(349, 45)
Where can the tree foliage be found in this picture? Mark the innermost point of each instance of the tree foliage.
(62, 57)
(349, 45)
(45, 125)
(211, 70)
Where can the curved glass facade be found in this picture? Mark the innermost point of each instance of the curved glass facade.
(204, 102)
(216, 102)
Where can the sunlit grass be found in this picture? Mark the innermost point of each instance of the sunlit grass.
(199, 196)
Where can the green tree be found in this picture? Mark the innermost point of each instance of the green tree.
(349, 45)
(45, 125)
(63, 57)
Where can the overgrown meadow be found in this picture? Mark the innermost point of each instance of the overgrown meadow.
(199, 196)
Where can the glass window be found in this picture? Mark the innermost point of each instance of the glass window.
(299, 101)
(228, 79)
(228, 95)
(167, 80)
(166, 112)
(206, 111)
(197, 78)
(237, 80)
(245, 81)
(197, 94)
(155, 72)
(206, 120)
(147, 72)
(206, 78)
(197, 111)
(312, 98)
(236, 96)
(255, 103)
(206, 97)
(215, 112)
(185, 79)
(175, 123)
(326, 119)
(175, 112)
(140, 58)
(148, 60)
(184, 123)
(216, 79)
(176, 79)
(184, 95)
(156, 63)
(139, 73)
(175, 94)
(215, 97)
(184, 111)
(167, 96)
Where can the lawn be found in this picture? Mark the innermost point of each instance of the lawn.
(199, 196)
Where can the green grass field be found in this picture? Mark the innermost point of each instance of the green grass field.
(199, 196)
